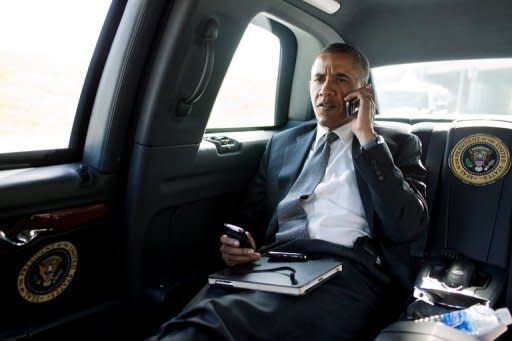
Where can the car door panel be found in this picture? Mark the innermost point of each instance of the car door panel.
(69, 268)
(72, 270)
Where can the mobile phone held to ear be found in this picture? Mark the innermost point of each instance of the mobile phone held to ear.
(238, 233)
(352, 107)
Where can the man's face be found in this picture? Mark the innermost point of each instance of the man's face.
(333, 76)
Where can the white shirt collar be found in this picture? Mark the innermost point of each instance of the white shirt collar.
(344, 132)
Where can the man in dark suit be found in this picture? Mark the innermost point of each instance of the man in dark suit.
(367, 209)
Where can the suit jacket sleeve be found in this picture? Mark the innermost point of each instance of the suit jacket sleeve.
(394, 174)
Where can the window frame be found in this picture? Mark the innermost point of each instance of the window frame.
(37, 158)
(288, 55)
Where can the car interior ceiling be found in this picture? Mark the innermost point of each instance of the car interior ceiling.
(173, 190)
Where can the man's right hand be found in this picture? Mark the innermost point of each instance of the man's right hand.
(232, 254)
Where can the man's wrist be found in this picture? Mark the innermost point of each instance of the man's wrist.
(378, 139)
(366, 137)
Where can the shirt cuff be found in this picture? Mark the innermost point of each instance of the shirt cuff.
(373, 143)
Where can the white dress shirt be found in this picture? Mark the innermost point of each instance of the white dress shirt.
(335, 211)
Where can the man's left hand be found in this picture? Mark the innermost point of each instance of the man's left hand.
(362, 123)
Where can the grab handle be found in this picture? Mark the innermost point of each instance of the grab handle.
(210, 34)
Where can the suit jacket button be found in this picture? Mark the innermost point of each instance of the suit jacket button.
(378, 172)
(380, 177)
(373, 162)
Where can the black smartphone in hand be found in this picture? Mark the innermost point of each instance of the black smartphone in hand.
(238, 233)
(352, 107)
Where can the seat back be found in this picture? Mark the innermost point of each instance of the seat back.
(471, 205)
(433, 140)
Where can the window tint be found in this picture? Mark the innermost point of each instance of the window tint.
(45, 50)
(247, 96)
(444, 88)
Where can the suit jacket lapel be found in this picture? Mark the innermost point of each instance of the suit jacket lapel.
(294, 157)
(364, 190)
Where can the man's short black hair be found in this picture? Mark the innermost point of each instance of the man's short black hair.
(359, 58)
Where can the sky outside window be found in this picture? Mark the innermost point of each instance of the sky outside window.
(45, 50)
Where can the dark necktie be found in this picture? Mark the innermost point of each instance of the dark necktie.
(290, 214)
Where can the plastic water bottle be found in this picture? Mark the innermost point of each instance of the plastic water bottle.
(478, 320)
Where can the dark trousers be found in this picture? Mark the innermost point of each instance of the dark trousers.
(353, 305)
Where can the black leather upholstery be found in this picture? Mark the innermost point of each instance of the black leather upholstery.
(474, 221)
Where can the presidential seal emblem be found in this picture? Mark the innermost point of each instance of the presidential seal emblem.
(480, 159)
(48, 272)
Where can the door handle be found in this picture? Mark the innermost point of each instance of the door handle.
(23, 237)
(224, 144)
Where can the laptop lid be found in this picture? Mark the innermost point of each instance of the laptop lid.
(291, 278)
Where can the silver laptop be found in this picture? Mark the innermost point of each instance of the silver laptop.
(291, 278)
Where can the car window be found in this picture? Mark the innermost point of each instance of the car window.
(45, 51)
(247, 97)
(459, 87)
